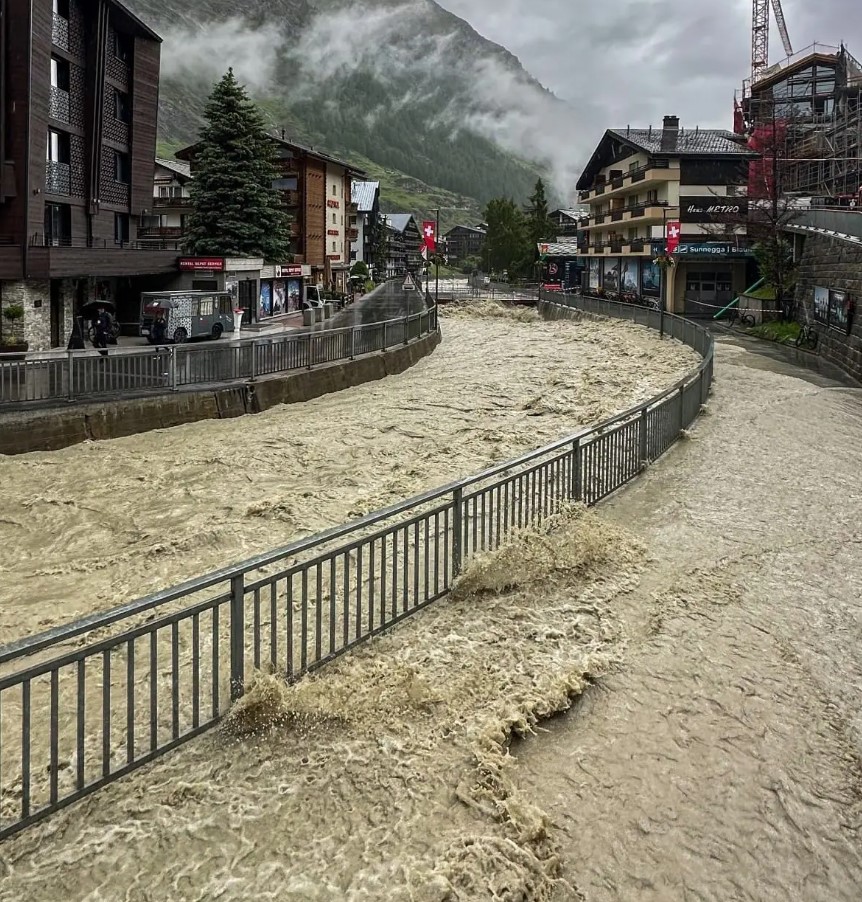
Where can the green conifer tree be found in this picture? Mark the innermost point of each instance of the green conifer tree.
(235, 210)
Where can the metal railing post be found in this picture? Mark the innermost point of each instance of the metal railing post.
(173, 363)
(310, 350)
(642, 435)
(457, 530)
(237, 637)
(406, 328)
(681, 407)
(352, 343)
(253, 361)
(385, 344)
(577, 477)
(70, 365)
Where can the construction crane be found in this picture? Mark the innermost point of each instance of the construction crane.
(760, 35)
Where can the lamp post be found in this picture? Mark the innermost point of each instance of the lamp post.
(665, 265)
(437, 258)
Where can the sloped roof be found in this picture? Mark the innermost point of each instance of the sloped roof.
(569, 214)
(363, 195)
(399, 221)
(466, 228)
(182, 169)
(697, 142)
(708, 141)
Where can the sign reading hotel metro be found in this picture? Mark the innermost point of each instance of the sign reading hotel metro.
(712, 209)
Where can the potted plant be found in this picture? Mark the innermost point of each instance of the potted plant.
(12, 341)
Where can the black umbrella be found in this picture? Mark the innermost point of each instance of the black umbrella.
(91, 308)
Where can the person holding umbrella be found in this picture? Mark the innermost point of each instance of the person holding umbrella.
(102, 331)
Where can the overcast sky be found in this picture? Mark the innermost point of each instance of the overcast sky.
(630, 62)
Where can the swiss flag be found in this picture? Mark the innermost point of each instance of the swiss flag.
(674, 229)
(429, 236)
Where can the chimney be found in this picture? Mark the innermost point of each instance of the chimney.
(669, 134)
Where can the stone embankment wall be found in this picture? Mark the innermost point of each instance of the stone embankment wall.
(47, 430)
(829, 263)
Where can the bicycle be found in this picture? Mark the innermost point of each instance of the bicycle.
(807, 338)
(745, 319)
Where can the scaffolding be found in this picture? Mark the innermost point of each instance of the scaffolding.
(807, 113)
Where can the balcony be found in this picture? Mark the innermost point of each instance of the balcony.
(161, 233)
(353, 234)
(58, 178)
(67, 257)
(654, 171)
(650, 211)
(60, 32)
(117, 70)
(172, 203)
(59, 105)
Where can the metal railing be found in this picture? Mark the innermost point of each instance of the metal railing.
(79, 375)
(85, 704)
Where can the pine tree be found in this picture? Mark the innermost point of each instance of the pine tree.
(235, 210)
(540, 226)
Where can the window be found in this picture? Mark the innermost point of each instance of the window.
(59, 147)
(652, 197)
(59, 74)
(123, 45)
(121, 228)
(58, 224)
(334, 246)
(206, 306)
(333, 190)
(333, 219)
(61, 8)
(122, 107)
(122, 168)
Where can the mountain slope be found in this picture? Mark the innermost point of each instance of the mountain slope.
(406, 89)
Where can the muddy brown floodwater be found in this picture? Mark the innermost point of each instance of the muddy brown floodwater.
(679, 671)
(98, 524)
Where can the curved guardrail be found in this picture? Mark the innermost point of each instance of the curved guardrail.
(86, 703)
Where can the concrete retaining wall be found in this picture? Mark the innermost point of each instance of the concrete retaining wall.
(48, 430)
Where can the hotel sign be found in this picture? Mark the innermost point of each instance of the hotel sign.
(712, 209)
(201, 264)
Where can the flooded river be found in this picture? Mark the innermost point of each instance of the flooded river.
(697, 639)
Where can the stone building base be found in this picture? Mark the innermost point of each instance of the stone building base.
(48, 312)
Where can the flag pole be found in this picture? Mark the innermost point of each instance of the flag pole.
(437, 259)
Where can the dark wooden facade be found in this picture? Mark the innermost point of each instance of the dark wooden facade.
(78, 125)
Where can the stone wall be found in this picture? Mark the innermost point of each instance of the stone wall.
(829, 263)
(35, 298)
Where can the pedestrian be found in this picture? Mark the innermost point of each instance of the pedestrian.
(102, 331)
(160, 330)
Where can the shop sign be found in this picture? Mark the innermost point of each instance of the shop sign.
(712, 209)
(288, 270)
(332, 203)
(333, 256)
(332, 232)
(201, 264)
(711, 249)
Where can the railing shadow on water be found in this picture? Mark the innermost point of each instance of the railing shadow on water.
(86, 703)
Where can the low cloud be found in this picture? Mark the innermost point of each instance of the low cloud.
(402, 46)
(209, 51)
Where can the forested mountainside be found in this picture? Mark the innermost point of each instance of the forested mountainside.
(402, 87)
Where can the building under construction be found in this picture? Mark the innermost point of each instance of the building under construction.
(804, 115)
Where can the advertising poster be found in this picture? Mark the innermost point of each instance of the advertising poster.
(821, 305)
(630, 275)
(650, 277)
(294, 294)
(595, 272)
(279, 298)
(612, 274)
(838, 309)
(265, 299)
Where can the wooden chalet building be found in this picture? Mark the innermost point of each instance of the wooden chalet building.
(316, 191)
(79, 83)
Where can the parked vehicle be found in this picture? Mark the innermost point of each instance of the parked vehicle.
(185, 315)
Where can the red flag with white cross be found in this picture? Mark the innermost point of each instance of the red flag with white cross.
(429, 236)
(674, 230)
